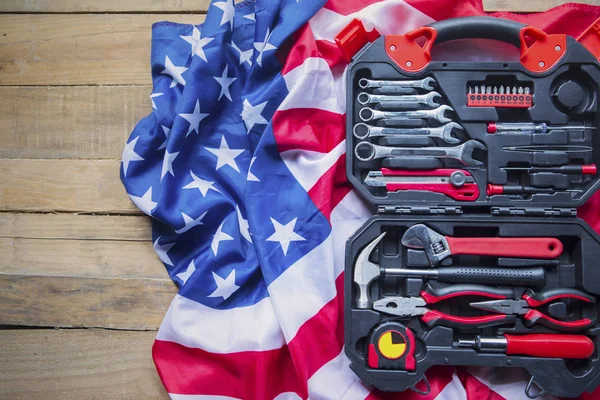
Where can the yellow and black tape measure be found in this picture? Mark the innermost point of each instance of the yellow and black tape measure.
(391, 346)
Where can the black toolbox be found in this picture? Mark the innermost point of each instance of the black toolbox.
(493, 222)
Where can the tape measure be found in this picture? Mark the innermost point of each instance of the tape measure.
(391, 346)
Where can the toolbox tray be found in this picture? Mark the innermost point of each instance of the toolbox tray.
(543, 214)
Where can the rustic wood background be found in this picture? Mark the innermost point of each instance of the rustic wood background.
(81, 289)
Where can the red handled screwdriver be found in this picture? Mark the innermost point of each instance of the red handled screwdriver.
(565, 169)
(548, 345)
(517, 189)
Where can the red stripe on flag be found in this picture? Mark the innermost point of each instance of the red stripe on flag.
(308, 129)
(331, 188)
(476, 390)
(571, 19)
(346, 7)
(246, 375)
(304, 47)
(438, 376)
(590, 212)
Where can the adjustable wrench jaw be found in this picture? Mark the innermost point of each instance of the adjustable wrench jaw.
(423, 238)
(365, 272)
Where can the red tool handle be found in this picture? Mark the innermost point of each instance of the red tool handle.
(436, 318)
(533, 317)
(433, 172)
(467, 192)
(525, 247)
(433, 295)
(550, 345)
(536, 299)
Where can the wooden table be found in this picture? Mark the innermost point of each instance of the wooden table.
(81, 289)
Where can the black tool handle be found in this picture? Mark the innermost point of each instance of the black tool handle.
(526, 262)
(435, 294)
(528, 277)
(478, 28)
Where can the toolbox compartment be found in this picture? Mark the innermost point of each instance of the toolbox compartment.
(564, 94)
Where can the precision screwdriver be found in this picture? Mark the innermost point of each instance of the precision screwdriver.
(548, 345)
(517, 189)
(565, 169)
(529, 127)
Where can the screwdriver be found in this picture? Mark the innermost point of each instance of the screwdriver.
(565, 169)
(529, 127)
(517, 189)
(548, 345)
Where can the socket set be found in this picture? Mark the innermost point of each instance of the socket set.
(475, 255)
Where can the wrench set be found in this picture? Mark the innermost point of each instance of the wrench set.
(475, 255)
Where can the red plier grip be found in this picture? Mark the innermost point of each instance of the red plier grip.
(533, 317)
(434, 318)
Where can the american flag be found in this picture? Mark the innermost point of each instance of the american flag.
(241, 166)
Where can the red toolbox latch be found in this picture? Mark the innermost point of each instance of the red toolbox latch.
(590, 39)
(353, 38)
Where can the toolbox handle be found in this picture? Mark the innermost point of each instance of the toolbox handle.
(478, 28)
(538, 51)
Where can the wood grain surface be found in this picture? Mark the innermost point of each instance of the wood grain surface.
(82, 291)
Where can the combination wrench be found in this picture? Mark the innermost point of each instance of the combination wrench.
(369, 114)
(365, 151)
(424, 83)
(426, 99)
(363, 131)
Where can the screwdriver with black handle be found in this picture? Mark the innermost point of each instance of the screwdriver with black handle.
(545, 345)
(565, 169)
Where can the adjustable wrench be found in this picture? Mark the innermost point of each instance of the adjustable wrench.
(369, 114)
(462, 153)
(426, 99)
(444, 132)
(424, 83)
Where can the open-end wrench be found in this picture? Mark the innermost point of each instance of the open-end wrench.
(369, 114)
(424, 83)
(444, 132)
(462, 153)
(427, 99)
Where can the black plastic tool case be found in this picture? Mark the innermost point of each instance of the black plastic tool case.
(536, 215)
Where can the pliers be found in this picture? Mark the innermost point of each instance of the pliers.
(416, 306)
(526, 305)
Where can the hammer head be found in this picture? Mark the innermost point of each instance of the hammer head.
(422, 237)
(365, 272)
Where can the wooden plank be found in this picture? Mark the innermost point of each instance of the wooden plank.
(80, 258)
(63, 185)
(72, 226)
(69, 121)
(59, 301)
(79, 49)
(84, 364)
(527, 6)
(66, 6)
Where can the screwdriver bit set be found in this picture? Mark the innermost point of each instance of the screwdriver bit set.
(475, 255)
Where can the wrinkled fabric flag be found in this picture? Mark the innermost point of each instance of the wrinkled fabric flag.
(241, 166)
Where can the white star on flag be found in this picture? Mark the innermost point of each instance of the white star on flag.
(243, 223)
(144, 203)
(245, 56)
(250, 17)
(130, 155)
(219, 237)
(225, 155)
(194, 119)
(167, 165)
(167, 132)
(162, 250)
(284, 234)
(225, 287)
(184, 276)
(251, 114)
(200, 184)
(190, 222)
(251, 177)
(174, 71)
(228, 12)
(197, 43)
(152, 96)
(224, 81)
(263, 46)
